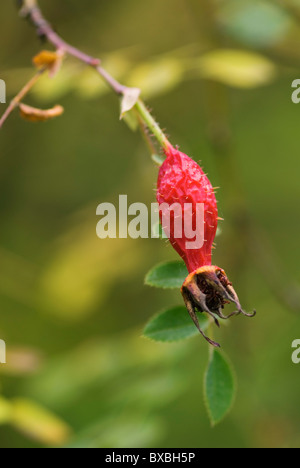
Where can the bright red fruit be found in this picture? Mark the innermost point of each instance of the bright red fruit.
(181, 181)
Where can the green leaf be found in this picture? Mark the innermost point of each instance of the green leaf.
(237, 68)
(173, 325)
(170, 275)
(157, 76)
(219, 387)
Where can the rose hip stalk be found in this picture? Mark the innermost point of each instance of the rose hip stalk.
(207, 288)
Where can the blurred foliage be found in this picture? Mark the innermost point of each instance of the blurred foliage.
(255, 23)
(73, 307)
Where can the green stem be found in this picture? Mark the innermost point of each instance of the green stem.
(152, 124)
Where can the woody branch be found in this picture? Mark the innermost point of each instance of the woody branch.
(31, 10)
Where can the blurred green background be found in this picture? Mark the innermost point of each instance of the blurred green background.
(218, 75)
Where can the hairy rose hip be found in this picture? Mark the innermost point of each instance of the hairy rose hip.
(207, 289)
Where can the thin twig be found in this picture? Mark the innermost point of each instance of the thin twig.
(18, 98)
(31, 9)
(44, 29)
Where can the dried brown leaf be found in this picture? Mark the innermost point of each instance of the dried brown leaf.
(49, 59)
(33, 114)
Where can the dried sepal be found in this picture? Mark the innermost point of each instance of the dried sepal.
(32, 114)
(129, 100)
(208, 290)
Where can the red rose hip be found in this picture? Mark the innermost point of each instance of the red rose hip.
(182, 182)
